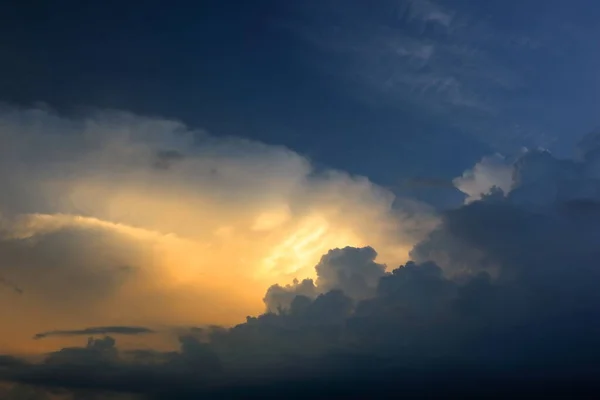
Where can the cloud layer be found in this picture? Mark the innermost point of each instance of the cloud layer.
(501, 294)
(117, 219)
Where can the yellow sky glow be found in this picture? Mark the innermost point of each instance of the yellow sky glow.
(108, 239)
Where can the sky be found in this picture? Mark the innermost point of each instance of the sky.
(320, 198)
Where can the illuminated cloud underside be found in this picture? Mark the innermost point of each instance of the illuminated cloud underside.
(119, 219)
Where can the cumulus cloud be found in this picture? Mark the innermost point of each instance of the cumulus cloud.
(501, 293)
(280, 297)
(506, 284)
(118, 219)
(353, 271)
(350, 270)
(491, 172)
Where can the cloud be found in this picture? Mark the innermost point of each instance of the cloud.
(115, 219)
(99, 368)
(166, 158)
(100, 330)
(353, 271)
(426, 10)
(491, 172)
(439, 61)
(9, 361)
(281, 297)
(501, 292)
(350, 270)
(505, 284)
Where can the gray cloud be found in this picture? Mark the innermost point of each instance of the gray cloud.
(353, 271)
(502, 293)
(115, 217)
(10, 361)
(506, 281)
(281, 297)
(167, 158)
(350, 270)
(100, 330)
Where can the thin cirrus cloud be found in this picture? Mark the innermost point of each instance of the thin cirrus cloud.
(121, 220)
(442, 62)
(99, 330)
(394, 52)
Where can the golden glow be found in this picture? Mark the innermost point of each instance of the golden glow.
(301, 250)
(180, 281)
(123, 243)
(272, 219)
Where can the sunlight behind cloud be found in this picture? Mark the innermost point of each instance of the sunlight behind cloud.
(129, 220)
(301, 250)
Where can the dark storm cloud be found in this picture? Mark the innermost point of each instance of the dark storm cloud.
(506, 283)
(100, 330)
(9, 361)
(100, 368)
(501, 299)
(281, 297)
(350, 270)
(353, 271)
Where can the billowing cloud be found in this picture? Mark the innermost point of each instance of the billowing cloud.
(504, 287)
(353, 271)
(502, 292)
(350, 270)
(117, 219)
(491, 172)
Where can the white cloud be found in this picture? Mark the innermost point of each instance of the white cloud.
(491, 171)
(116, 217)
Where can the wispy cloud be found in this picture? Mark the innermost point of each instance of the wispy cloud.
(426, 10)
(401, 53)
(99, 330)
(450, 64)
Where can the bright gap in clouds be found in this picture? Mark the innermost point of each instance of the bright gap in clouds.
(121, 219)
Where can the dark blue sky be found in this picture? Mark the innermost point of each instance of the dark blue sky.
(392, 90)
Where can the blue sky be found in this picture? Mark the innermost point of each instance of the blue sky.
(383, 90)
